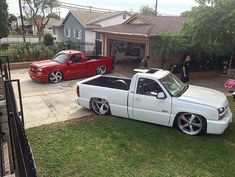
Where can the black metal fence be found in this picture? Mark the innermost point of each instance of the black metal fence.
(1, 150)
(23, 159)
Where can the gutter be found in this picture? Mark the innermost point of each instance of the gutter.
(130, 34)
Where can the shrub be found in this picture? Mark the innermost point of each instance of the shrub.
(48, 39)
(34, 52)
(4, 46)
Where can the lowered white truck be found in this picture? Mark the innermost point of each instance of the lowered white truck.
(159, 97)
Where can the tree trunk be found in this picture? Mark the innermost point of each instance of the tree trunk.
(40, 36)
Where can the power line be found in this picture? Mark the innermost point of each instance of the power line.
(77, 6)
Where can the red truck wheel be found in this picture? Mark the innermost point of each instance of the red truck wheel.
(55, 76)
(101, 70)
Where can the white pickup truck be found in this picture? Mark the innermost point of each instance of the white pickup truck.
(157, 96)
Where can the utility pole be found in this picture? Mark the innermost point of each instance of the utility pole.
(156, 7)
(22, 21)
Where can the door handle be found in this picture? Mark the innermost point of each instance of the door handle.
(137, 99)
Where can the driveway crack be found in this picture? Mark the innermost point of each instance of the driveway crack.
(51, 107)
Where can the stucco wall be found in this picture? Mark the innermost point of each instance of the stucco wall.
(114, 20)
(59, 33)
(90, 40)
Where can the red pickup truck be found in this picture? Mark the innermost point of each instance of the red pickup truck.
(70, 64)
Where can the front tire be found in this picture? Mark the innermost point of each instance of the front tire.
(191, 124)
(100, 106)
(101, 70)
(55, 77)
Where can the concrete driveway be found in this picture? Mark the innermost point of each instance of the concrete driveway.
(48, 103)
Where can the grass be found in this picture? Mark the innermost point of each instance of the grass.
(110, 146)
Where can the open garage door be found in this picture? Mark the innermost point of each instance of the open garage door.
(124, 51)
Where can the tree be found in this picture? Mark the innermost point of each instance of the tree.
(146, 10)
(12, 18)
(205, 2)
(55, 16)
(39, 11)
(167, 45)
(211, 28)
(4, 30)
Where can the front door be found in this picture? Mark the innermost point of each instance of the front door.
(147, 107)
(76, 68)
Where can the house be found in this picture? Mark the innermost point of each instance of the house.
(135, 38)
(49, 26)
(28, 27)
(78, 27)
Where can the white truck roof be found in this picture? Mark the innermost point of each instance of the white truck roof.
(153, 72)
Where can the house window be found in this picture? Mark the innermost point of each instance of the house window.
(124, 17)
(77, 34)
(98, 35)
(67, 32)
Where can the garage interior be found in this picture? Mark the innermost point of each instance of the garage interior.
(126, 50)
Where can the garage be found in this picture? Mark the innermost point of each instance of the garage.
(126, 51)
(125, 48)
(131, 41)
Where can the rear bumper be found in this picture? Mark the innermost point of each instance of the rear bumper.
(39, 77)
(83, 102)
(219, 126)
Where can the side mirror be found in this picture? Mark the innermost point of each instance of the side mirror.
(161, 95)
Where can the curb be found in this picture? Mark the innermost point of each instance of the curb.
(20, 65)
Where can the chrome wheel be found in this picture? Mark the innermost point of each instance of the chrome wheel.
(191, 124)
(101, 70)
(100, 106)
(55, 77)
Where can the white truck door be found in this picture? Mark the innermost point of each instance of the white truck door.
(147, 107)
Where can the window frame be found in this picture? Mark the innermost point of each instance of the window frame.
(159, 89)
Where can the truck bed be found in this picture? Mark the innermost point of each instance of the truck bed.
(94, 57)
(110, 82)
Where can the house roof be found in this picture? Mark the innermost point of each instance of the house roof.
(108, 15)
(147, 26)
(87, 17)
(54, 22)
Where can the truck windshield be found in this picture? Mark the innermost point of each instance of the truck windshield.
(60, 58)
(173, 85)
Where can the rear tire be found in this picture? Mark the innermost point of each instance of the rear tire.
(191, 124)
(101, 70)
(100, 106)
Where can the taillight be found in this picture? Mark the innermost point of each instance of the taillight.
(78, 92)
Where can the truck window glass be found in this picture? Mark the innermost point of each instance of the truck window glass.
(75, 58)
(148, 87)
(172, 84)
(60, 58)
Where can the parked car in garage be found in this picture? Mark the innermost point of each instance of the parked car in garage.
(70, 64)
(157, 96)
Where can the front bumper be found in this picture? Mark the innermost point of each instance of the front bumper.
(219, 126)
(39, 77)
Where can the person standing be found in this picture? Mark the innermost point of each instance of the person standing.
(185, 70)
(145, 62)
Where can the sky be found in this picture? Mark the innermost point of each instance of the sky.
(167, 7)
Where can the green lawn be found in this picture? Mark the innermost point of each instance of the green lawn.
(108, 146)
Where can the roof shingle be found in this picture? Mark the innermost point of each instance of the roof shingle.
(156, 26)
